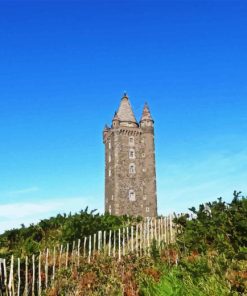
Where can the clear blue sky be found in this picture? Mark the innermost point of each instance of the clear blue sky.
(63, 69)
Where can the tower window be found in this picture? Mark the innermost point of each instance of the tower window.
(144, 197)
(131, 153)
(109, 209)
(132, 195)
(109, 145)
(109, 172)
(131, 140)
(147, 209)
(109, 158)
(132, 168)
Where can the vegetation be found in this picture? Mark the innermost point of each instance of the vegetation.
(208, 259)
(57, 230)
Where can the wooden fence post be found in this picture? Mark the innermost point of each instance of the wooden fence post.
(171, 234)
(19, 276)
(46, 268)
(94, 244)
(159, 232)
(60, 257)
(148, 229)
(78, 252)
(114, 243)
(89, 250)
(33, 280)
(119, 244)
(104, 241)
(73, 254)
(67, 256)
(11, 277)
(137, 239)
(54, 264)
(99, 245)
(109, 244)
(123, 241)
(39, 279)
(132, 239)
(141, 237)
(84, 247)
(127, 240)
(26, 276)
(155, 229)
(5, 277)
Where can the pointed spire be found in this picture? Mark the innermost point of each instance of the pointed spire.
(125, 112)
(146, 115)
(115, 116)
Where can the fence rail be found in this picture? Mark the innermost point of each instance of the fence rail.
(32, 276)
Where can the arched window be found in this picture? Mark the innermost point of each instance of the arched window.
(132, 153)
(109, 209)
(132, 195)
(132, 168)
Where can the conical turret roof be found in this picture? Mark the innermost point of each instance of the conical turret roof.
(146, 115)
(125, 112)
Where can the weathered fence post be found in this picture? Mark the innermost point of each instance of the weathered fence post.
(46, 268)
(11, 277)
(19, 276)
(141, 237)
(60, 257)
(33, 281)
(119, 244)
(109, 244)
(104, 242)
(114, 243)
(26, 276)
(84, 247)
(78, 252)
(127, 240)
(132, 239)
(39, 277)
(67, 256)
(94, 245)
(123, 242)
(137, 240)
(89, 250)
(54, 264)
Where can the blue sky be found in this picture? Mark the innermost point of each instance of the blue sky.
(63, 68)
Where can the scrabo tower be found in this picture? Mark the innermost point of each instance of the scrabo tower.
(130, 177)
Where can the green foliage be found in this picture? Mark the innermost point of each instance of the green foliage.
(216, 226)
(57, 230)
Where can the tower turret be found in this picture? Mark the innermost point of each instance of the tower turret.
(146, 120)
(115, 121)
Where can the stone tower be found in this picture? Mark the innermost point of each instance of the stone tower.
(130, 176)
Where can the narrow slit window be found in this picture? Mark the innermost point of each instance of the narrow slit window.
(132, 168)
(131, 153)
(132, 196)
(131, 140)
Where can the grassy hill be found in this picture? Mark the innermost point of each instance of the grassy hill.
(208, 258)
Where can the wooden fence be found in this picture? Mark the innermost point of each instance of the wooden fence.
(33, 275)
